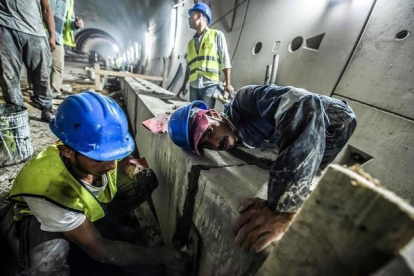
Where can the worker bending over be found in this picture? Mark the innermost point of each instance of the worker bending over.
(308, 130)
(72, 195)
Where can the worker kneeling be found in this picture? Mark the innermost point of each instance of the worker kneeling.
(72, 195)
(307, 129)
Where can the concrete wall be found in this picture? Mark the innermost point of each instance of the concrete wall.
(379, 85)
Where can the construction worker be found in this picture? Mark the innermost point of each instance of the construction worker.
(65, 23)
(207, 55)
(308, 130)
(70, 196)
(23, 41)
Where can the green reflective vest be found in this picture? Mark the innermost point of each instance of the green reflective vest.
(207, 61)
(68, 36)
(46, 176)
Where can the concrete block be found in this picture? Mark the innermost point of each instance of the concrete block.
(389, 140)
(348, 226)
(176, 169)
(221, 192)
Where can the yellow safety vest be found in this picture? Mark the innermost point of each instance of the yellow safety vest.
(207, 61)
(46, 176)
(68, 36)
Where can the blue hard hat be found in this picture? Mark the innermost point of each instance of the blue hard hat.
(93, 125)
(178, 125)
(204, 8)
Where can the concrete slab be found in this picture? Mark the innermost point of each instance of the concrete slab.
(176, 169)
(222, 191)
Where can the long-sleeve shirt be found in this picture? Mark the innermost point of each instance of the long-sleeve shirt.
(224, 57)
(308, 130)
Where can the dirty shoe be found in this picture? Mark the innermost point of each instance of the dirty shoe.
(47, 115)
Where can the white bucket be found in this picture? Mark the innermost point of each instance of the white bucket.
(15, 139)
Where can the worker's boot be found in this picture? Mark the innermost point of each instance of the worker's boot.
(47, 115)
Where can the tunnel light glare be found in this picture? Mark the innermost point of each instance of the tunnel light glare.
(136, 50)
(116, 48)
(131, 51)
(147, 43)
(173, 29)
(314, 7)
(129, 56)
(124, 57)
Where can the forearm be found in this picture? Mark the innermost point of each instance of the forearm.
(47, 13)
(301, 150)
(227, 73)
(122, 254)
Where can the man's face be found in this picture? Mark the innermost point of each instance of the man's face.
(85, 165)
(93, 167)
(193, 19)
(218, 135)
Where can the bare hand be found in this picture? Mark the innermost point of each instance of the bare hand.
(229, 89)
(258, 226)
(52, 43)
(146, 181)
(79, 23)
(175, 260)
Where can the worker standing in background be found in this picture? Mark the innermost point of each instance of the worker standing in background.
(23, 41)
(71, 198)
(207, 55)
(65, 24)
(307, 129)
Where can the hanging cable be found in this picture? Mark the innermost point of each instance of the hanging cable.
(241, 30)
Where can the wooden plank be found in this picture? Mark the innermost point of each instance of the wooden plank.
(126, 74)
(348, 226)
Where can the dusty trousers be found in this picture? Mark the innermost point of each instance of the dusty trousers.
(18, 49)
(58, 65)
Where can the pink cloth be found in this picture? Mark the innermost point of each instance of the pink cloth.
(199, 126)
(157, 124)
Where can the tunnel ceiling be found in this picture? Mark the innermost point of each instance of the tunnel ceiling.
(111, 23)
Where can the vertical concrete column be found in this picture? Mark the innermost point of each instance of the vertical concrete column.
(348, 226)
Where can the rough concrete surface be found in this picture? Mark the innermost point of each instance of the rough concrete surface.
(176, 169)
(388, 138)
(220, 195)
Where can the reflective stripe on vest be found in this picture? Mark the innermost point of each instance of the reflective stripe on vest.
(68, 36)
(46, 176)
(207, 61)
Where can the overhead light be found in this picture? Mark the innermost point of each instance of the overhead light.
(147, 44)
(173, 27)
(136, 50)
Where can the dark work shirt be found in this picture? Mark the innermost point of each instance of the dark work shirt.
(308, 130)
